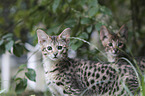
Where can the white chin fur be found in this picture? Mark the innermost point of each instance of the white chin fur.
(54, 59)
(112, 54)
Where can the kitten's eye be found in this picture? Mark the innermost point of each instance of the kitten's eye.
(59, 47)
(119, 44)
(110, 44)
(49, 48)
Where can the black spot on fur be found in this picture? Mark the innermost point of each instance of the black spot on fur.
(88, 84)
(95, 69)
(107, 72)
(93, 87)
(67, 82)
(90, 67)
(89, 73)
(59, 83)
(122, 91)
(110, 93)
(106, 67)
(114, 90)
(86, 68)
(99, 69)
(112, 69)
(85, 74)
(54, 70)
(110, 74)
(102, 71)
(81, 71)
(71, 70)
(119, 69)
(93, 74)
(46, 72)
(62, 80)
(104, 77)
(65, 92)
(124, 70)
(92, 81)
(105, 90)
(97, 76)
(117, 88)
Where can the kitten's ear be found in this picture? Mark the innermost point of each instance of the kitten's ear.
(104, 33)
(42, 36)
(65, 34)
(123, 32)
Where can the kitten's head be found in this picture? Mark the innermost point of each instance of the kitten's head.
(113, 42)
(54, 47)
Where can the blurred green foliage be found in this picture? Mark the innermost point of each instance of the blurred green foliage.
(21, 83)
(25, 16)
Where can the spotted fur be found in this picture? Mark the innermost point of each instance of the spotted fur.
(75, 77)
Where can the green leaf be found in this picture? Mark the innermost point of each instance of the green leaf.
(55, 5)
(18, 79)
(1, 42)
(92, 11)
(76, 45)
(7, 35)
(92, 3)
(106, 11)
(85, 21)
(69, 1)
(17, 73)
(31, 75)
(53, 30)
(22, 66)
(70, 23)
(98, 26)
(9, 45)
(18, 50)
(89, 29)
(143, 85)
(84, 35)
(2, 91)
(21, 86)
(2, 48)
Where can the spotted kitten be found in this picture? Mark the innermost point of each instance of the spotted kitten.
(115, 46)
(75, 77)
(113, 43)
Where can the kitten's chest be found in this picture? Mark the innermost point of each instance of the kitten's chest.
(57, 69)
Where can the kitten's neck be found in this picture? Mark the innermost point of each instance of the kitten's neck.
(111, 58)
(49, 64)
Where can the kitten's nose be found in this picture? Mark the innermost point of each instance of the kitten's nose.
(116, 50)
(55, 54)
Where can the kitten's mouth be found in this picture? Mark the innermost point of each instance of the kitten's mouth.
(54, 59)
(113, 54)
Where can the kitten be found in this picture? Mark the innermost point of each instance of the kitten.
(115, 46)
(113, 43)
